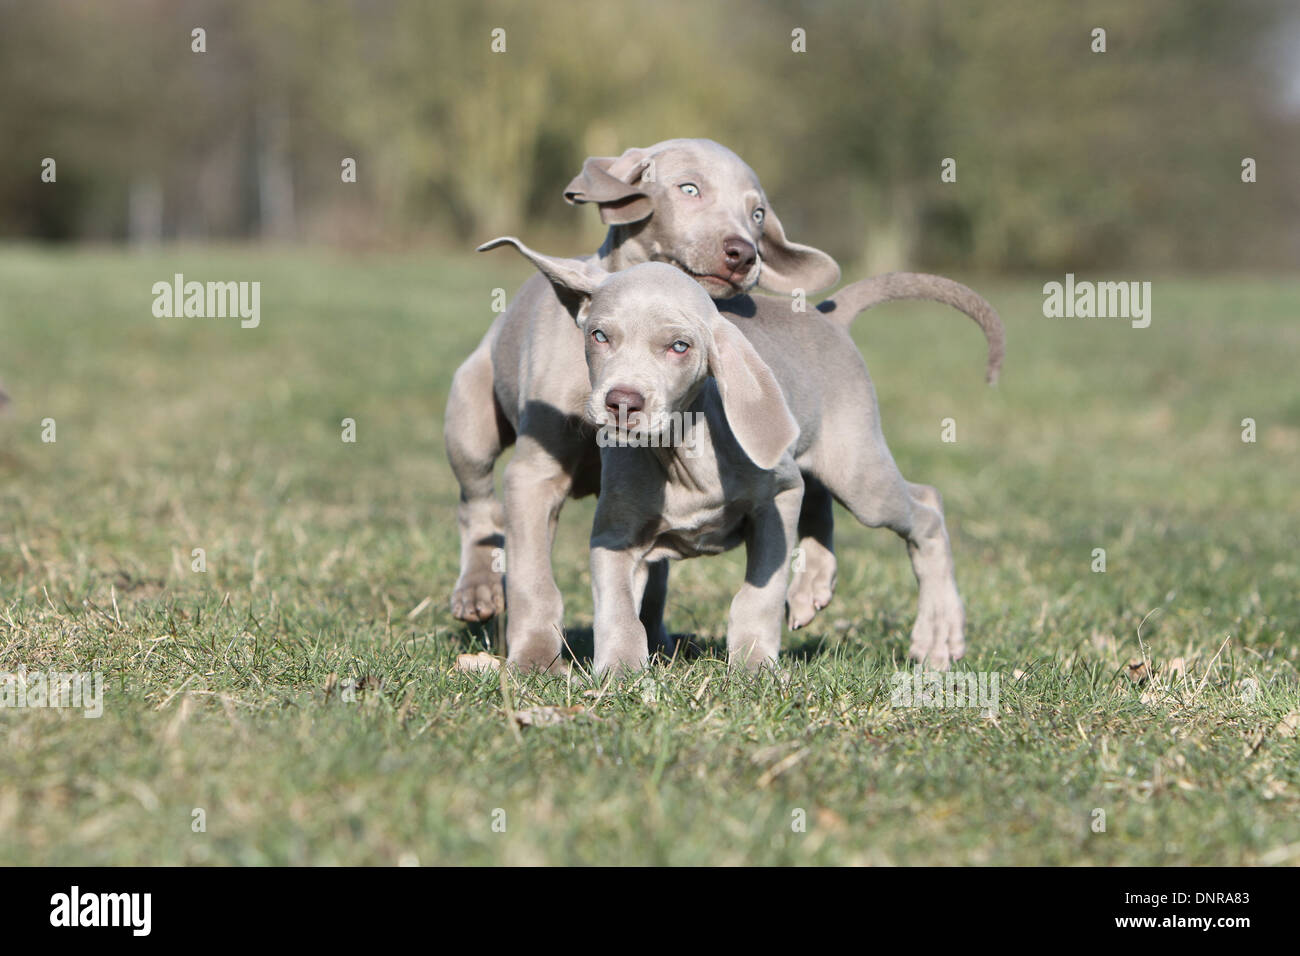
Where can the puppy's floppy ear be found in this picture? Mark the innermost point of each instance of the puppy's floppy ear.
(751, 397)
(788, 265)
(614, 185)
(574, 280)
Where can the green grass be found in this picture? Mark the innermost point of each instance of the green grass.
(223, 688)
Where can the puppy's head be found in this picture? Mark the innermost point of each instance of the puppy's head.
(696, 205)
(653, 337)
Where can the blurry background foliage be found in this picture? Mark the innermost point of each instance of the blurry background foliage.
(1066, 159)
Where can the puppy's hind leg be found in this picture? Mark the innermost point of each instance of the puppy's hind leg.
(878, 496)
(812, 579)
(475, 433)
(940, 632)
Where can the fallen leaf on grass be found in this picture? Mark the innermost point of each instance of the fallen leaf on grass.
(472, 663)
(1288, 725)
(548, 716)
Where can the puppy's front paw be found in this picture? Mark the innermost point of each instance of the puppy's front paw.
(538, 648)
(479, 595)
(811, 586)
(621, 648)
(620, 664)
(938, 637)
(542, 662)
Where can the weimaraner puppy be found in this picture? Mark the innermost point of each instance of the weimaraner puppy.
(769, 397)
(690, 203)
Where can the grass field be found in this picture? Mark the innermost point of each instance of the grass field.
(330, 561)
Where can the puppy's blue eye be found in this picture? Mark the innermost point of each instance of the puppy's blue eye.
(690, 189)
(600, 336)
(680, 347)
(758, 216)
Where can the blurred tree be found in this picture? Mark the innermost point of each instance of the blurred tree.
(1064, 158)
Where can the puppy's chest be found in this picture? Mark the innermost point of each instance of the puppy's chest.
(693, 524)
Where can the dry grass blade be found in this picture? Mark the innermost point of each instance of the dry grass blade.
(781, 766)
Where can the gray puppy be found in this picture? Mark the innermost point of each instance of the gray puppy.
(707, 426)
(690, 203)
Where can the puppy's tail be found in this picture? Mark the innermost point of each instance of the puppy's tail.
(857, 297)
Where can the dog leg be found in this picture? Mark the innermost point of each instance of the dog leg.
(939, 635)
(536, 484)
(652, 588)
(475, 433)
(620, 637)
(812, 580)
(879, 497)
(754, 625)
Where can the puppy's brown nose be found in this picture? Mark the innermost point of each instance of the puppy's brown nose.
(633, 401)
(738, 254)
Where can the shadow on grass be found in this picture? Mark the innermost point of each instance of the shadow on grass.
(579, 644)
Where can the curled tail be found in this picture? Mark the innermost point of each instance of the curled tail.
(860, 296)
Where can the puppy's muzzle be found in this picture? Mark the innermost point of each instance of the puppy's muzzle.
(627, 399)
(738, 257)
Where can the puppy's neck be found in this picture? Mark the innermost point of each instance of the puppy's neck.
(623, 247)
(710, 447)
(689, 462)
